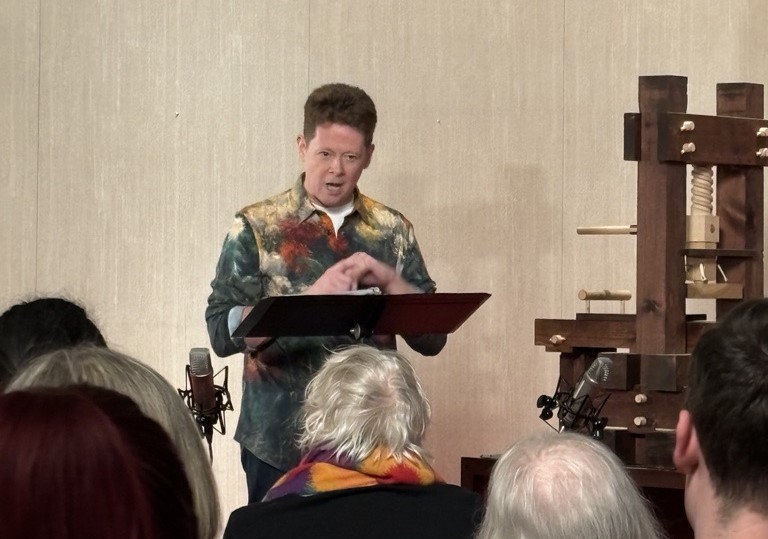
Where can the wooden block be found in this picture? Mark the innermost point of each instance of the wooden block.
(622, 444)
(715, 290)
(639, 450)
(475, 474)
(660, 410)
(702, 228)
(659, 449)
(664, 372)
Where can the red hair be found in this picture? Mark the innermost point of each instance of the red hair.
(85, 462)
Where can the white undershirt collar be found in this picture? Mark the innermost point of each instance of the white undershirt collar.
(336, 214)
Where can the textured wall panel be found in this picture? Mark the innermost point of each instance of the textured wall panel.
(500, 132)
(19, 62)
(158, 122)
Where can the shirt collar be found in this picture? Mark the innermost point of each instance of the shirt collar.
(305, 209)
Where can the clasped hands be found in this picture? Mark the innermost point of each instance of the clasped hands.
(360, 270)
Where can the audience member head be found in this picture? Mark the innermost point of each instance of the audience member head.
(722, 428)
(564, 486)
(153, 394)
(84, 461)
(364, 399)
(6, 369)
(339, 103)
(30, 329)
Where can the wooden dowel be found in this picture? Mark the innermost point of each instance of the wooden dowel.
(605, 295)
(604, 230)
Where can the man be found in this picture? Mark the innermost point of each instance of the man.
(322, 236)
(722, 432)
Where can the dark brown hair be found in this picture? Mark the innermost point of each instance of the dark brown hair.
(728, 402)
(83, 461)
(341, 104)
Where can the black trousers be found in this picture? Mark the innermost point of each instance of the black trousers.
(259, 475)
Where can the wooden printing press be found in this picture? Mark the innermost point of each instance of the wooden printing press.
(680, 254)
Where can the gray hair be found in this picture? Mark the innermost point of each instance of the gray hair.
(564, 486)
(363, 399)
(155, 397)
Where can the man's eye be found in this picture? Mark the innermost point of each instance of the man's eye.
(351, 157)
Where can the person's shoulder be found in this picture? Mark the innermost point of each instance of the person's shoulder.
(425, 511)
(279, 205)
(264, 519)
(269, 202)
(447, 491)
(381, 212)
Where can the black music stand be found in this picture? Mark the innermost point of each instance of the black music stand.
(359, 315)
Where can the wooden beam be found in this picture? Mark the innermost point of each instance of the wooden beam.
(722, 140)
(603, 335)
(740, 199)
(661, 201)
(600, 334)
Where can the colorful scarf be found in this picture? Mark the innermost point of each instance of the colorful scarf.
(321, 471)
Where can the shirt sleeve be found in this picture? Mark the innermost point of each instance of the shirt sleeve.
(238, 282)
(411, 265)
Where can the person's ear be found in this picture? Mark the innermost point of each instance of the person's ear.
(687, 452)
(369, 154)
(301, 144)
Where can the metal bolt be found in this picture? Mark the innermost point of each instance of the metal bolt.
(640, 421)
(640, 398)
(688, 147)
(688, 126)
(762, 132)
(762, 152)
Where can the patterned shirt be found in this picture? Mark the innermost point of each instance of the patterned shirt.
(281, 246)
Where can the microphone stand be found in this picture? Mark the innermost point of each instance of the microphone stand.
(573, 414)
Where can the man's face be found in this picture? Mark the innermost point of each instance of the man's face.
(333, 161)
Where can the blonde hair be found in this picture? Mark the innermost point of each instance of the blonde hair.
(155, 397)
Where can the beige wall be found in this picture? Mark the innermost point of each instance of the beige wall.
(132, 132)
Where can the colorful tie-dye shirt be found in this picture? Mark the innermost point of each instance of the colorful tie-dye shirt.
(281, 246)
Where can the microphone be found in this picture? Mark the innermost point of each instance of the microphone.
(584, 391)
(201, 380)
(206, 400)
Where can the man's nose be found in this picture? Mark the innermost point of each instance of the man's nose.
(337, 166)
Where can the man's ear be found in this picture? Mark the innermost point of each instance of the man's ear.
(301, 144)
(687, 452)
